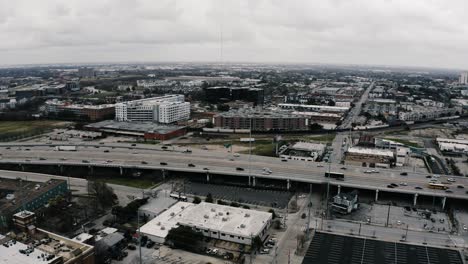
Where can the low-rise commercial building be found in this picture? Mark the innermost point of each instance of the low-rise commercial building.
(314, 108)
(144, 130)
(345, 203)
(17, 195)
(303, 151)
(368, 157)
(216, 221)
(89, 112)
(455, 146)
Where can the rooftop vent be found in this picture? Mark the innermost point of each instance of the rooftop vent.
(172, 214)
(224, 219)
(242, 226)
(247, 215)
(213, 210)
(220, 213)
(163, 228)
(206, 216)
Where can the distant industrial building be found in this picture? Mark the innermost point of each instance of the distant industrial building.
(86, 72)
(144, 130)
(88, 112)
(261, 121)
(165, 109)
(304, 151)
(345, 203)
(216, 221)
(17, 195)
(453, 146)
(314, 108)
(226, 94)
(368, 157)
(30, 245)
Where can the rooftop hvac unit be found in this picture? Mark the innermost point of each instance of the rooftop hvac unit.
(247, 215)
(220, 213)
(213, 210)
(224, 219)
(159, 223)
(163, 228)
(242, 226)
(182, 207)
(206, 216)
(172, 214)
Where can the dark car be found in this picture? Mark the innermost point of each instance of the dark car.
(448, 191)
(428, 176)
(240, 169)
(191, 165)
(343, 168)
(163, 163)
(460, 186)
(133, 145)
(390, 186)
(418, 188)
(394, 184)
(206, 169)
(284, 160)
(404, 174)
(144, 162)
(131, 247)
(106, 151)
(164, 147)
(150, 244)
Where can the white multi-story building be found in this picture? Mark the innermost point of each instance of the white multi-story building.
(164, 109)
(463, 78)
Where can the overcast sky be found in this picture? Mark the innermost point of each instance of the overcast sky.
(431, 33)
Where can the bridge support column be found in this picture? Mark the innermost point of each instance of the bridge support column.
(444, 199)
(250, 180)
(60, 169)
(91, 170)
(253, 181)
(415, 200)
(163, 172)
(121, 171)
(376, 195)
(339, 189)
(288, 184)
(207, 177)
(22, 167)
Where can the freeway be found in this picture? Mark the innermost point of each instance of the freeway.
(224, 163)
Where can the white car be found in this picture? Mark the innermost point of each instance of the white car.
(236, 155)
(403, 183)
(267, 170)
(265, 251)
(451, 180)
(368, 171)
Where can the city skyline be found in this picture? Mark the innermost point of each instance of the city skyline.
(394, 33)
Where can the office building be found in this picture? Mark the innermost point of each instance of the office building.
(216, 221)
(86, 72)
(261, 121)
(463, 78)
(165, 109)
(227, 94)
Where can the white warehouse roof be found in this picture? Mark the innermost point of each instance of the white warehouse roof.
(370, 151)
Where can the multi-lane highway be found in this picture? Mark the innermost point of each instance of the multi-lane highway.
(150, 157)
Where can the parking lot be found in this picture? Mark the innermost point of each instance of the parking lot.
(401, 217)
(270, 198)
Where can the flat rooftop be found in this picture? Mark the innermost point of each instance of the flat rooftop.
(370, 151)
(214, 217)
(142, 127)
(308, 146)
(328, 248)
(16, 192)
(10, 254)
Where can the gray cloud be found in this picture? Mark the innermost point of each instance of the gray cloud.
(398, 32)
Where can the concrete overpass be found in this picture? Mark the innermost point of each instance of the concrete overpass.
(210, 164)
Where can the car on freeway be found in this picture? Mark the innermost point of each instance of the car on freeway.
(390, 186)
(236, 155)
(164, 147)
(85, 161)
(265, 251)
(191, 165)
(163, 163)
(284, 160)
(63, 159)
(133, 145)
(106, 151)
(144, 162)
(428, 176)
(239, 169)
(403, 184)
(320, 165)
(187, 151)
(27, 160)
(368, 171)
(418, 188)
(404, 174)
(109, 161)
(448, 191)
(206, 169)
(451, 180)
(343, 168)
(267, 170)
(41, 158)
(460, 186)
(375, 171)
